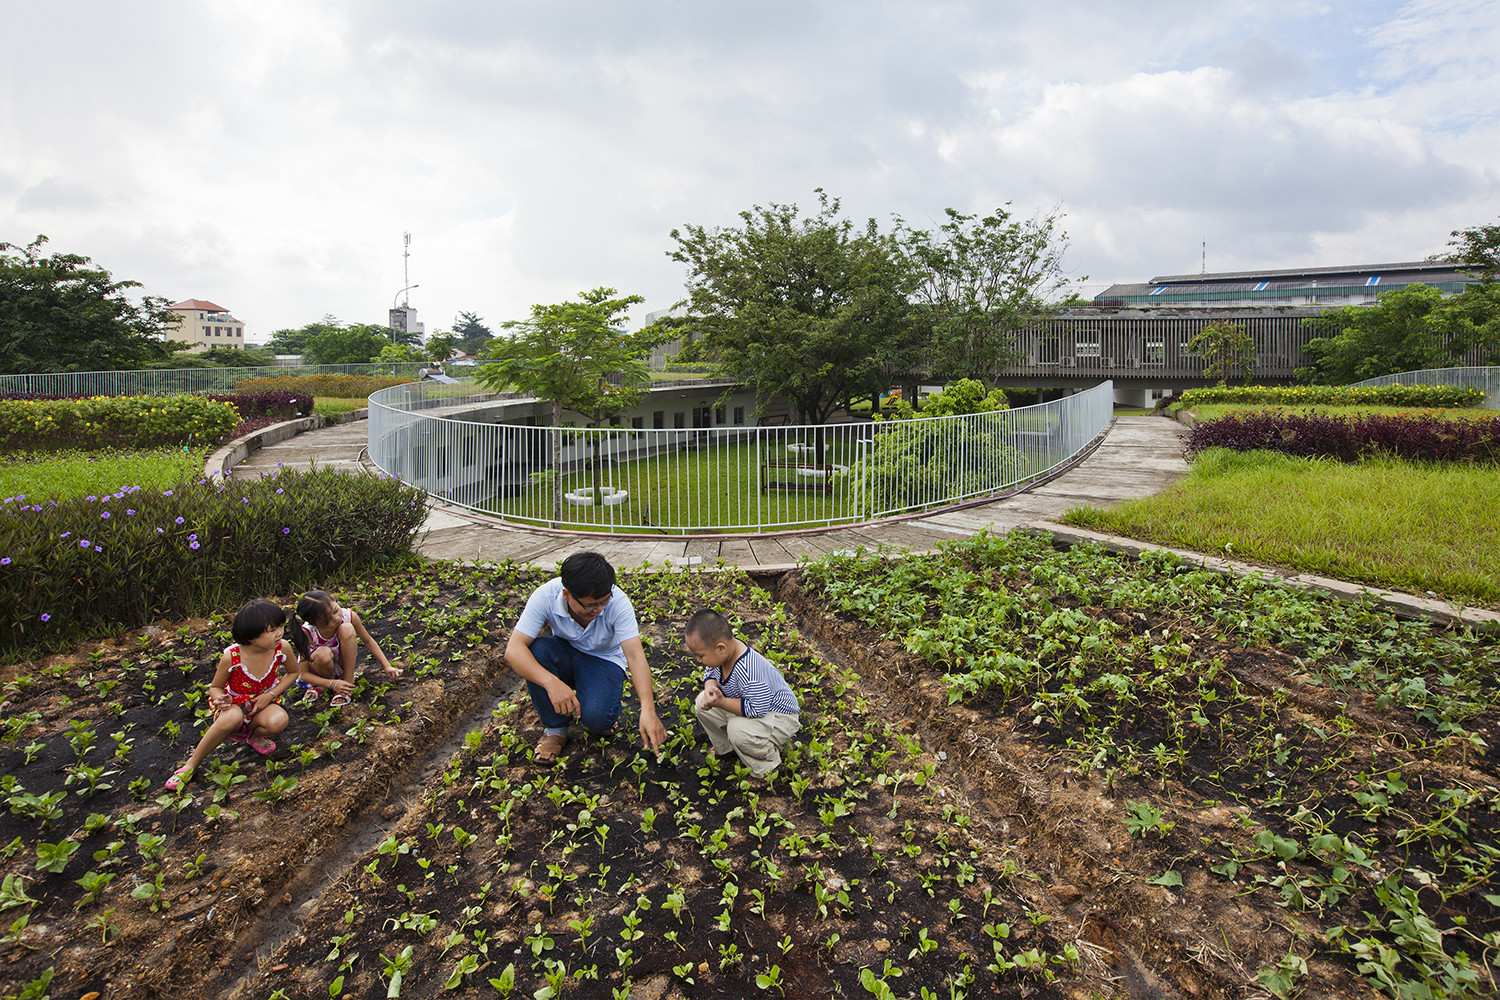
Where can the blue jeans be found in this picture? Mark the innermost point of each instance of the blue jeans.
(597, 682)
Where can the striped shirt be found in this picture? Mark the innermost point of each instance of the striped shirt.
(757, 684)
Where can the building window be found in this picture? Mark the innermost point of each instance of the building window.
(677, 420)
(719, 415)
(659, 419)
(739, 415)
(239, 331)
(1087, 349)
(638, 422)
(1156, 352)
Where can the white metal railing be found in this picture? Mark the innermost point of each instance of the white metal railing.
(177, 381)
(1485, 379)
(721, 478)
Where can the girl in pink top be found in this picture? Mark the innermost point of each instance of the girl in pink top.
(327, 638)
(252, 675)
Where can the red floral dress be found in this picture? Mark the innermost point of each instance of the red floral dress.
(244, 687)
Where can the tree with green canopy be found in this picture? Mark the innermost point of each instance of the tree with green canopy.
(1226, 348)
(356, 344)
(59, 314)
(575, 356)
(803, 307)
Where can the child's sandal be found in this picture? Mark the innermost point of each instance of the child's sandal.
(179, 777)
(262, 746)
(340, 700)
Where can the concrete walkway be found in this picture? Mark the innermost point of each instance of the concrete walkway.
(1139, 456)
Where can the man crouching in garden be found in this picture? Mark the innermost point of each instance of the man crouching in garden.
(579, 670)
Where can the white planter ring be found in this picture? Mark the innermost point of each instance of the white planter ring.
(584, 496)
(815, 472)
(800, 449)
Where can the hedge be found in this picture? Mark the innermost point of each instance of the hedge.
(99, 422)
(1349, 439)
(124, 559)
(1333, 395)
(256, 405)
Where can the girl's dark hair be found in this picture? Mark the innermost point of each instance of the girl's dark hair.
(255, 618)
(710, 627)
(587, 574)
(312, 609)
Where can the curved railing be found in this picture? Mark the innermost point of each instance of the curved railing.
(721, 478)
(178, 381)
(1485, 379)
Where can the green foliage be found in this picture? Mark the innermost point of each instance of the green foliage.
(59, 314)
(471, 334)
(1332, 395)
(1226, 348)
(911, 461)
(400, 354)
(113, 422)
(294, 341)
(1478, 249)
(1407, 329)
(336, 344)
(126, 558)
(980, 281)
(802, 307)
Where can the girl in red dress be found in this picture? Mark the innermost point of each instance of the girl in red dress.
(252, 676)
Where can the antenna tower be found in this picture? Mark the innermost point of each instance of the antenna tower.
(1202, 266)
(406, 270)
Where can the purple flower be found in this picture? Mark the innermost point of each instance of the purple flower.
(194, 545)
(65, 534)
(85, 544)
(244, 499)
(166, 493)
(280, 490)
(104, 516)
(284, 531)
(46, 618)
(161, 531)
(192, 538)
(98, 548)
(129, 512)
(5, 561)
(91, 497)
(179, 520)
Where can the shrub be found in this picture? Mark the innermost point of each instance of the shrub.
(257, 405)
(340, 386)
(1334, 395)
(1415, 437)
(100, 422)
(128, 557)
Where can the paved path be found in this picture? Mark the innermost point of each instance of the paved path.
(1139, 456)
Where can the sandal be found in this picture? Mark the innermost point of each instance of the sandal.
(340, 700)
(179, 777)
(262, 745)
(549, 747)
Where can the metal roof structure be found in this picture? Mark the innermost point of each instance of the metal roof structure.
(1316, 286)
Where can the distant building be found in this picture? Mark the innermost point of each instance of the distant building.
(206, 326)
(1322, 287)
(403, 319)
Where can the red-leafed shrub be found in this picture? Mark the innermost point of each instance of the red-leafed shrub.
(283, 405)
(1414, 437)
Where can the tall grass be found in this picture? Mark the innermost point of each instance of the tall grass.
(1407, 526)
(69, 475)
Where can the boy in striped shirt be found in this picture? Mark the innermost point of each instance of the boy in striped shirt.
(746, 705)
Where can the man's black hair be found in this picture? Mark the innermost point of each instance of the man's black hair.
(254, 618)
(587, 575)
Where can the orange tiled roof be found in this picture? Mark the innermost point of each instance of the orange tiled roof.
(203, 304)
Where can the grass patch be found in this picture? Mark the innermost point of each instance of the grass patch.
(334, 406)
(74, 474)
(1407, 526)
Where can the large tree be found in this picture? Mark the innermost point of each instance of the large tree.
(982, 280)
(1226, 348)
(294, 341)
(1477, 249)
(809, 308)
(58, 313)
(575, 356)
(471, 333)
(1407, 329)
(346, 345)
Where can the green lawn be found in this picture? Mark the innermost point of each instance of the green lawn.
(78, 474)
(333, 406)
(1407, 526)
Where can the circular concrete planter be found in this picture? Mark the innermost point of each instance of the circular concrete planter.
(584, 496)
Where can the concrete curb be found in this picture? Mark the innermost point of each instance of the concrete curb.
(1403, 605)
(236, 451)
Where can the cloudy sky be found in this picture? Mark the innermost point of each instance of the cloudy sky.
(269, 154)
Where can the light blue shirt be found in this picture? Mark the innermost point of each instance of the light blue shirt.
(600, 637)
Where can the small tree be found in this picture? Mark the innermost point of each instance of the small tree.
(573, 355)
(439, 346)
(346, 345)
(1226, 348)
